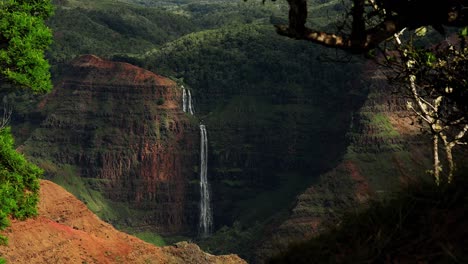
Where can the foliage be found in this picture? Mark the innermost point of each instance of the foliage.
(113, 29)
(19, 184)
(233, 239)
(421, 224)
(152, 238)
(23, 39)
(440, 70)
(435, 83)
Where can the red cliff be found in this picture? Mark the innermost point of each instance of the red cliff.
(122, 128)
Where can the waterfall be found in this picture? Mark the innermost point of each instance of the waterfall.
(184, 100)
(187, 105)
(206, 218)
(190, 107)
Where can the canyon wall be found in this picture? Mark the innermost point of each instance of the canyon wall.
(386, 151)
(124, 131)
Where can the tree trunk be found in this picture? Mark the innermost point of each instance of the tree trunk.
(451, 164)
(437, 168)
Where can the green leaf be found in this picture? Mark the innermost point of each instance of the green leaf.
(464, 32)
(430, 58)
(421, 32)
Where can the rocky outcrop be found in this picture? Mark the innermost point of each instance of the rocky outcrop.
(385, 151)
(122, 126)
(67, 232)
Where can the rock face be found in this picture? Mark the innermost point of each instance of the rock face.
(67, 232)
(384, 152)
(122, 127)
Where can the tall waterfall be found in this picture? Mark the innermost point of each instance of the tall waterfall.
(187, 105)
(206, 217)
(184, 100)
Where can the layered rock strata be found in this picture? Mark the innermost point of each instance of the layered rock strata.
(122, 127)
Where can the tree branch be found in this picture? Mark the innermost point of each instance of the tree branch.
(411, 14)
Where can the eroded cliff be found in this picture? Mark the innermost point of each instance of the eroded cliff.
(123, 131)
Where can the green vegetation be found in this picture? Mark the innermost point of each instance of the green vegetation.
(422, 223)
(23, 39)
(267, 103)
(113, 29)
(276, 116)
(235, 238)
(89, 191)
(244, 78)
(19, 183)
(84, 189)
(152, 238)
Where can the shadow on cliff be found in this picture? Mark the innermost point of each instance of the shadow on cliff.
(420, 224)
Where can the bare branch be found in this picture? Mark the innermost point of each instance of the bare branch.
(7, 111)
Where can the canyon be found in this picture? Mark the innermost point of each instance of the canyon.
(128, 138)
(196, 121)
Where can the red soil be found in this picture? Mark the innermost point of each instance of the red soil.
(67, 232)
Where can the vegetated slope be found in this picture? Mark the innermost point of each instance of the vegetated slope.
(210, 14)
(219, 13)
(67, 232)
(111, 27)
(385, 153)
(422, 223)
(276, 118)
(116, 136)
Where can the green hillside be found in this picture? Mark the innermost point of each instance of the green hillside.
(116, 28)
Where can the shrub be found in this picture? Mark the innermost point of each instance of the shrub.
(19, 183)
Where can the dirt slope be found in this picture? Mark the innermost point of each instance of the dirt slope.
(67, 232)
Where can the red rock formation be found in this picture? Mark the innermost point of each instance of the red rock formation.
(123, 126)
(67, 232)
